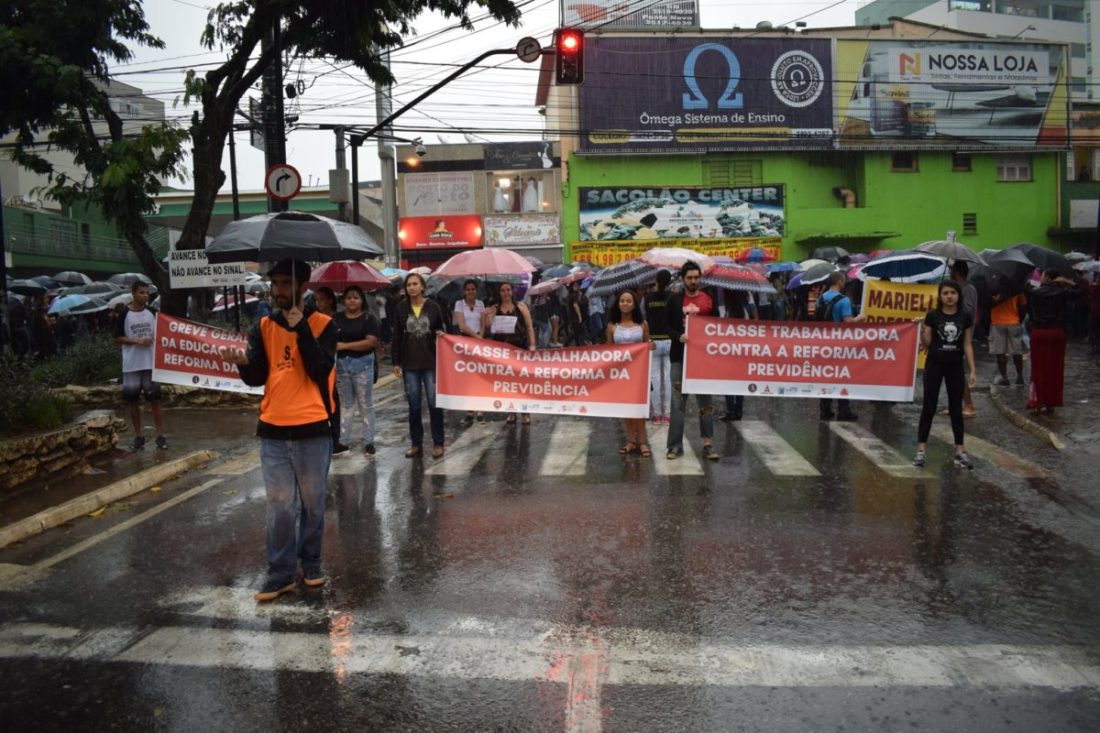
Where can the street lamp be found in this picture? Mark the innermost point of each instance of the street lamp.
(1025, 30)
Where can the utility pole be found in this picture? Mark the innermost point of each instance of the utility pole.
(274, 121)
(384, 107)
(338, 178)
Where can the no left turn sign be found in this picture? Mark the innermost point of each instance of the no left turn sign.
(283, 182)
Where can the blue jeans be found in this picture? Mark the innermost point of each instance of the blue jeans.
(597, 324)
(295, 473)
(355, 383)
(542, 334)
(679, 404)
(420, 384)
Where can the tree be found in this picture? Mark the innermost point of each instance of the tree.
(55, 57)
(347, 31)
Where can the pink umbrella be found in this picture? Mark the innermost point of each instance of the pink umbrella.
(546, 286)
(495, 261)
(223, 303)
(673, 258)
(338, 275)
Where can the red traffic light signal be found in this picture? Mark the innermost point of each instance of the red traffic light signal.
(569, 55)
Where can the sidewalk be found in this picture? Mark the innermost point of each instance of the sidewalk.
(226, 431)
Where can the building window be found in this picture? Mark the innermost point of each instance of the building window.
(733, 172)
(970, 224)
(1067, 13)
(960, 162)
(1078, 85)
(1013, 168)
(520, 191)
(904, 161)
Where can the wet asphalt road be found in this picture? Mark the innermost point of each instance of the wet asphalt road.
(535, 580)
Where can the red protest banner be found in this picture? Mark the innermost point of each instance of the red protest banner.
(596, 381)
(187, 353)
(863, 361)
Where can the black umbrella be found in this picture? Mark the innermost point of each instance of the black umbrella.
(556, 271)
(620, 276)
(72, 277)
(27, 287)
(290, 235)
(127, 279)
(1005, 272)
(1044, 258)
(95, 289)
(830, 254)
(45, 281)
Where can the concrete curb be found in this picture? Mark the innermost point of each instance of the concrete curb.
(54, 516)
(1024, 422)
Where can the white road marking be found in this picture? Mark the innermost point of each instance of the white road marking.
(777, 454)
(622, 657)
(568, 452)
(686, 465)
(349, 464)
(35, 571)
(461, 457)
(884, 457)
(991, 453)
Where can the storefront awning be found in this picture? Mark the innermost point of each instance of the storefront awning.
(819, 237)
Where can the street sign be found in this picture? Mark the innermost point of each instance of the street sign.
(528, 49)
(189, 268)
(256, 131)
(283, 182)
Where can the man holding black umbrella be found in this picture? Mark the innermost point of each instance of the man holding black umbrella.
(292, 353)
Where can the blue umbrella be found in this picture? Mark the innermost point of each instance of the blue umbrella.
(795, 282)
(905, 266)
(68, 303)
(783, 267)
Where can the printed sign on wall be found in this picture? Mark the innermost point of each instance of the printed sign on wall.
(429, 194)
(509, 231)
(664, 94)
(928, 94)
(440, 232)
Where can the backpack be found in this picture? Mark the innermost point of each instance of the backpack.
(824, 312)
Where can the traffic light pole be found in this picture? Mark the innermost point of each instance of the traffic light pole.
(442, 83)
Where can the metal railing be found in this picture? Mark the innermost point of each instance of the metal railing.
(76, 248)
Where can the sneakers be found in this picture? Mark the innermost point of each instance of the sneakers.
(709, 453)
(674, 453)
(918, 460)
(468, 419)
(272, 589)
(368, 449)
(962, 460)
(139, 442)
(162, 442)
(340, 449)
(313, 577)
(1001, 381)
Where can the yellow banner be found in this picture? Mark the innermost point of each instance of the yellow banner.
(609, 252)
(887, 301)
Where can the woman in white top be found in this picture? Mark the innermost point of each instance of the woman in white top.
(468, 317)
(626, 326)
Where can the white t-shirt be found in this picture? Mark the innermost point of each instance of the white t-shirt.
(140, 324)
(470, 316)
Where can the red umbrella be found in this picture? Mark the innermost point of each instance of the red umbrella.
(737, 277)
(546, 286)
(494, 261)
(338, 275)
(222, 303)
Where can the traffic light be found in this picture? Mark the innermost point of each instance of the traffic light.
(569, 55)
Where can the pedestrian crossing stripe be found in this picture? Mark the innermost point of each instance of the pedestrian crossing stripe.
(568, 451)
(776, 453)
(465, 453)
(885, 458)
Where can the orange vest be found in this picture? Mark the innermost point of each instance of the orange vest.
(290, 396)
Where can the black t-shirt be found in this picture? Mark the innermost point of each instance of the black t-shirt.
(356, 329)
(947, 333)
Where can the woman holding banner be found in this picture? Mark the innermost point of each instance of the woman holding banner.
(946, 335)
(510, 322)
(626, 326)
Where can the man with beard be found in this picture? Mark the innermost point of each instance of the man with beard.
(693, 301)
(292, 353)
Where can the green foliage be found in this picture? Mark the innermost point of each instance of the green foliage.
(26, 404)
(88, 362)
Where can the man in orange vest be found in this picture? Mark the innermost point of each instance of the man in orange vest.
(292, 353)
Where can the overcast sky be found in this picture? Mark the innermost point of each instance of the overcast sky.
(483, 99)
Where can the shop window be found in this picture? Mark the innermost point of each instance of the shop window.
(903, 161)
(521, 192)
(1013, 168)
(960, 162)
